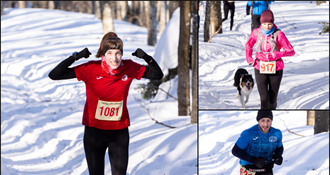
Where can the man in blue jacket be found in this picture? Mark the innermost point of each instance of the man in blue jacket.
(260, 146)
(257, 8)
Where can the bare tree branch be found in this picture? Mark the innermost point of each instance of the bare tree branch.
(214, 34)
(143, 106)
(167, 93)
(290, 130)
(289, 23)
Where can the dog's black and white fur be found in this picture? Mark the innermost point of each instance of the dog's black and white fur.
(244, 83)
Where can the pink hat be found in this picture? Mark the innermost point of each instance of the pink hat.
(267, 16)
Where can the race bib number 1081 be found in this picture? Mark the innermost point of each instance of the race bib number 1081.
(110, 111)
(267, 67)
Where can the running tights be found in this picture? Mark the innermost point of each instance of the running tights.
(268, 87)
(231, 7)
(255, 22)
(96, 141)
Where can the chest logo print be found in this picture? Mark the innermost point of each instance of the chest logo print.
(255, 138)
(272, 138)
(99, 77)
(124, 78)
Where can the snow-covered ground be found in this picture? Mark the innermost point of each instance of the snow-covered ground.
(305, 82)
(219, 130)
(41, 130)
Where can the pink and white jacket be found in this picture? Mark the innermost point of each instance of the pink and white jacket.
(282, 42)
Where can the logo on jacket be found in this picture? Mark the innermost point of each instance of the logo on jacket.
(272, 138)
(124, 78)
(99, 77)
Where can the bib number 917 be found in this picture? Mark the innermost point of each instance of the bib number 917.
(267, 67)
(110, 111)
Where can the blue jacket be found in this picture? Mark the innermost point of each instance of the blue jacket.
(258, 144)
(259, 6)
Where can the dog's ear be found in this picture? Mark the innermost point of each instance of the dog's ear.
(242, 75)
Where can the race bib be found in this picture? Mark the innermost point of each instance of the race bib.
(109, 111)
(268, 67)
(244, 171)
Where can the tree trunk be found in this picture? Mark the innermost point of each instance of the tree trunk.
(57, 4)
(51, 5)
(107, 20)
(207, 21)
(112, 5)
(215, 17)
(194, 64)
(82, 7)
(2, 7)
(136, 8)
(66, 5)
(39, 4)
(124, 9)
(167, 9)
(158, 10)
(310, 117)
(162, 15)
(173, 5)
(152, 26)
(11, 4)
(135, 11)
(146, 18)
(183, 62)
(88, 7)
(43, 4)
(320, 2)
(97, 10)
(21, 4)
(321, 121)
(121, 9)
(144, 13)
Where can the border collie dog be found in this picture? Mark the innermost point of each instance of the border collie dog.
(244, 83)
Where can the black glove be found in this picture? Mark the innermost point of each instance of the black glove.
(141, 54)
(84, 53)
(258, 161)
(278, 159)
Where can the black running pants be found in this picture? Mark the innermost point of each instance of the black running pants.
(268, 87)
(96, 141)
(255, 22)
(231, 7)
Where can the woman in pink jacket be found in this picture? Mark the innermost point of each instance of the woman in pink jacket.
(268, 63)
